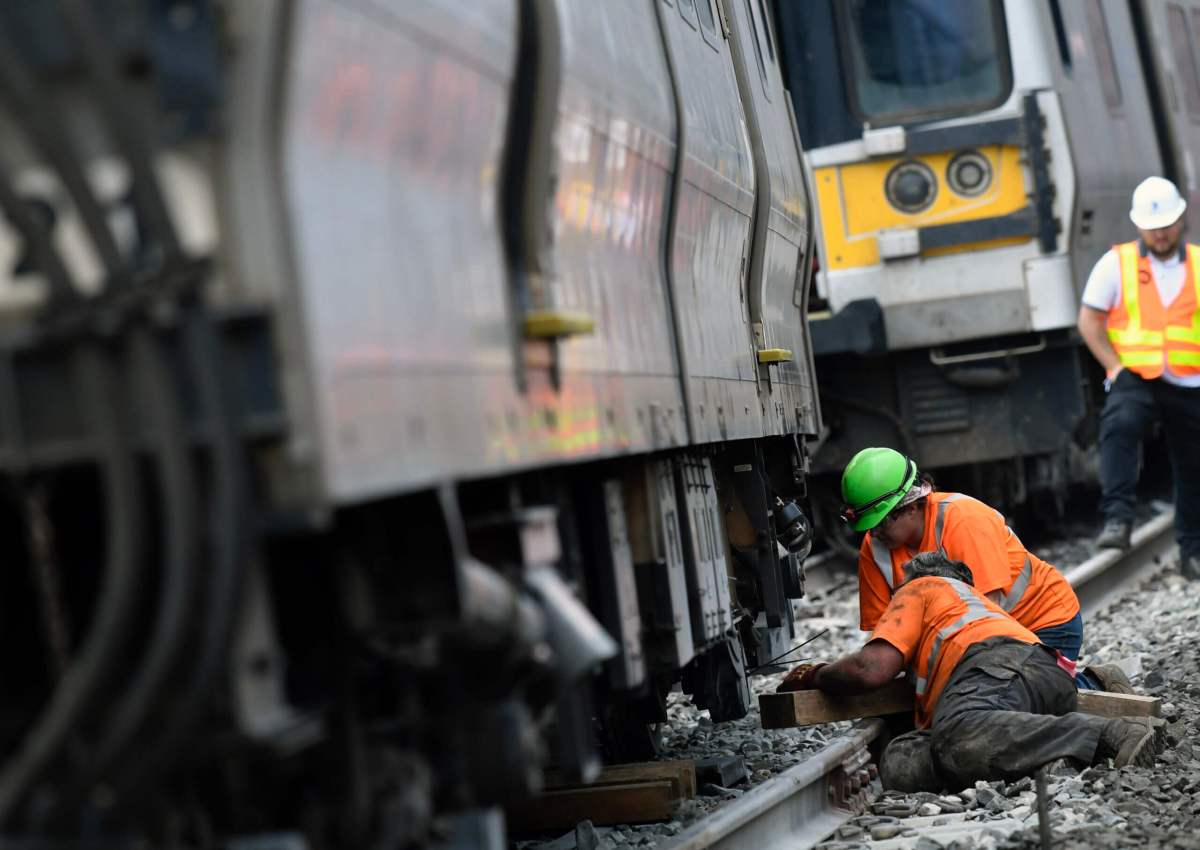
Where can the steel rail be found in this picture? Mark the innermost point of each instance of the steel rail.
(801, 807)
(797, 808)
(1099, 580)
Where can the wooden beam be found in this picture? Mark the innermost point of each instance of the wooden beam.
(603, 805)
(681, 773)
(807, 708)
(1105, 704)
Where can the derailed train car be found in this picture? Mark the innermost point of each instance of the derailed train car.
(972, 161)
(388, 388)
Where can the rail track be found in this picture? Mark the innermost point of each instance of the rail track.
(806, 803)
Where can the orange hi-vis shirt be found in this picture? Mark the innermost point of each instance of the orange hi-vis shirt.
(965, 529)
(932, 621)
(1145, 333)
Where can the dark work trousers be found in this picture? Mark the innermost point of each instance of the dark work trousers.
(1007, 710)
(1132, 404)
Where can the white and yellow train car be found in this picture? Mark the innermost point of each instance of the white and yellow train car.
(971, 161)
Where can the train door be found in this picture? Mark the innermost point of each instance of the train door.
(780, 257)
(1108, 109)
(1167, 34)
(709, 245)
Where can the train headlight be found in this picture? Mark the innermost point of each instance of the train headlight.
(911, 186)
(969, 173)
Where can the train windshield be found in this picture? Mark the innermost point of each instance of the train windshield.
(906, 59)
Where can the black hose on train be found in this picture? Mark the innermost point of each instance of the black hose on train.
(229, 535)
(228, 530)
(85, 678)
(77, 695)
(168, 433)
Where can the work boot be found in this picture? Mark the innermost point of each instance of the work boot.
(1111, 678)
(1115, 534)
(1189, 566)
(1130, 741)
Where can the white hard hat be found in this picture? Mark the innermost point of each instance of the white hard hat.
(1156, 203)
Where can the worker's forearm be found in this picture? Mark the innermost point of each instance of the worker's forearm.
(848, 675)
(1093, 327)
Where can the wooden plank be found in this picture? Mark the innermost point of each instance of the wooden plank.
(806, 708)
(1105, 704)
(682, 773)
(603, 805)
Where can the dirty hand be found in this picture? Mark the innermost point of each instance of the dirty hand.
(801, 678)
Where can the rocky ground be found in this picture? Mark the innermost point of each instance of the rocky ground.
(1151, 634)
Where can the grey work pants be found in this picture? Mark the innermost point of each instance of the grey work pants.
(1007, 710)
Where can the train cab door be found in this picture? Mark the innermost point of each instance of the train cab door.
(782, 233)
(1167, 34)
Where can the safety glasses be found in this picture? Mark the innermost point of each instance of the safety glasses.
(852, 513)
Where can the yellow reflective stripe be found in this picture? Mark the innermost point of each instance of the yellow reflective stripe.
(1183, 358)
(1140, 358)
(1129, 285)
(1137, 337)
(1180, 333)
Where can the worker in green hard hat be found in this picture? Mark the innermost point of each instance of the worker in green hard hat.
(886, 496)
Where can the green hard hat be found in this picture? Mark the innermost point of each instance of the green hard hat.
(874, 481)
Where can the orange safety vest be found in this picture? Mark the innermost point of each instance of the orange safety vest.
(1148, 335)
(933, 621)
(1033, 592)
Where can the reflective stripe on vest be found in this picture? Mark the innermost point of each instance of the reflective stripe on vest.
(883, 560)
(941, 519)
(976, 610)
(1010, 600)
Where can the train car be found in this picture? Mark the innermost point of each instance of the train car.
(388, 389)
(972, 160)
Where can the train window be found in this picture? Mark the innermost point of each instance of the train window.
(687, 11)
(708, 24)
(1098, 29)
(766, 29)
(915, 58)
(1185, 58)
(756, 25)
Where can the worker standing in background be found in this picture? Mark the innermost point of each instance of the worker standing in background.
(902, 513)
(991, 701)
(1140, 318)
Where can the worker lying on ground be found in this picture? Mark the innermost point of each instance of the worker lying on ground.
(904, 514)
(991, 701)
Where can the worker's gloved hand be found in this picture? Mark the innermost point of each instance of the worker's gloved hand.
(801, 678)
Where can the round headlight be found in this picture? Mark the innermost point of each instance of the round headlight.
(969, 173)
(910, 186)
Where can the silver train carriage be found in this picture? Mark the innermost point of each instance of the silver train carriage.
(971, 161)
(386, 383)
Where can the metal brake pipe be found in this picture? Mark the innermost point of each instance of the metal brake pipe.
(910, 442)
(80, 687)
